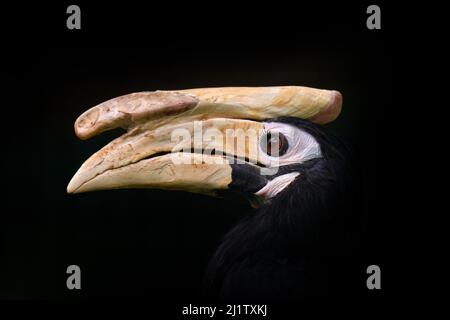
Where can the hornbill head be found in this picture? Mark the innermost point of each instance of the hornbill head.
(242, 139)
(264, 143)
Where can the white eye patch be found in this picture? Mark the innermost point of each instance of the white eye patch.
(302, 145)
(273, 187)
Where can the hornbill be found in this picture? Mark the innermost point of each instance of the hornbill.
(298, 177)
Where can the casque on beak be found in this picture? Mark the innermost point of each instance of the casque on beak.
(187, 139)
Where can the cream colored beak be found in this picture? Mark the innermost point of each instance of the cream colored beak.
(146, 155)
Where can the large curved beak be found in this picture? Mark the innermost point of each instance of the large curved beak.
(189, 139)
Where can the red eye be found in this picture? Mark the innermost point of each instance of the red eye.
(274, 144)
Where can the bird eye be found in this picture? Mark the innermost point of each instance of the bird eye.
(274, 144)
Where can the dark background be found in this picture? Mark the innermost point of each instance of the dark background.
(137, 243)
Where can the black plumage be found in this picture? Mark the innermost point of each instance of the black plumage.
(300, 244)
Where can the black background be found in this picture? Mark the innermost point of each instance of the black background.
(141, 243)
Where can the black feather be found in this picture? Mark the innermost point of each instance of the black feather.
(295, 246)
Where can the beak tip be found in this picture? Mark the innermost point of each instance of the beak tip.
(72, 187)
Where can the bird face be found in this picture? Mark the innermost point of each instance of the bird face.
(246, 140)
